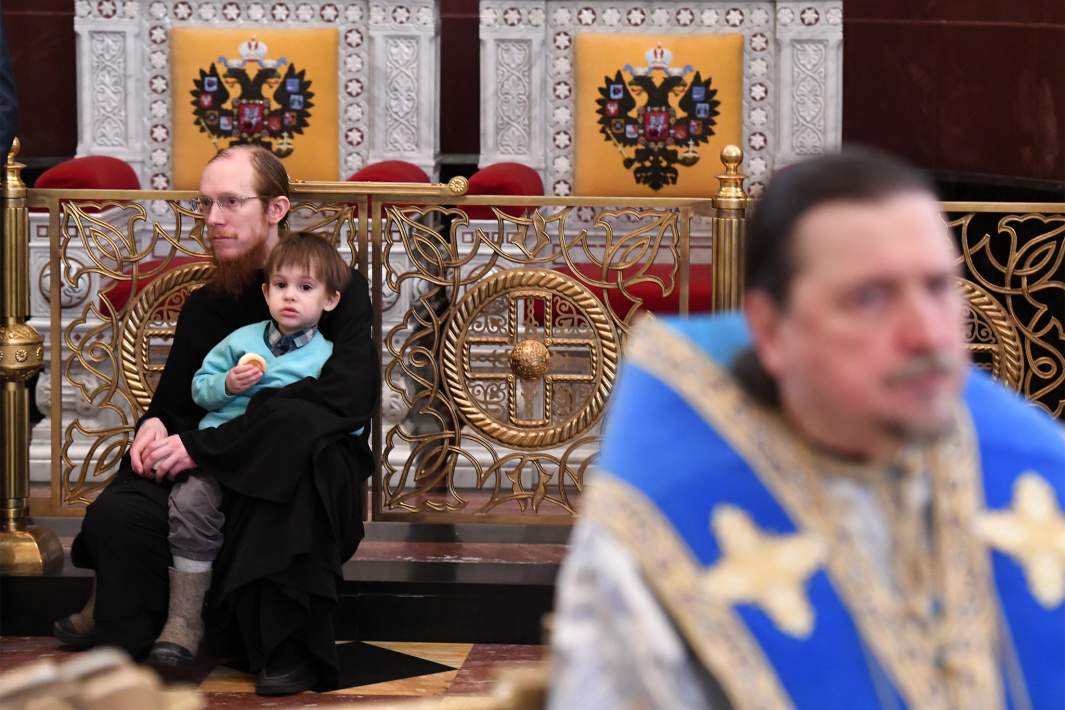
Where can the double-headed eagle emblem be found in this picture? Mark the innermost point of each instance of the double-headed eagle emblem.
(656, 136)
(252, 117)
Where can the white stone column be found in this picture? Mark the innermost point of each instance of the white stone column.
(111, 95)
(810, 42)
(513, 88)
(405, 83)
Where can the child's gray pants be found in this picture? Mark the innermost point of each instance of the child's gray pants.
(196, 517)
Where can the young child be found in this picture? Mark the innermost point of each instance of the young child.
(304, 278)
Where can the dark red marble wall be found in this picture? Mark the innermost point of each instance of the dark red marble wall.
(40, 35)
(460, 91)
(972, 86)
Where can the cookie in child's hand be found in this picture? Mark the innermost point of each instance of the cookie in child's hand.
(252, 359)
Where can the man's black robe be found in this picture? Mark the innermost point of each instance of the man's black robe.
(291, 471)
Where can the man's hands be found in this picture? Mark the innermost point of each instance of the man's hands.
(157, 456)
(241, 378)
(151, 430)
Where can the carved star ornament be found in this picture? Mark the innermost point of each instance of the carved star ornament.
(769, 571)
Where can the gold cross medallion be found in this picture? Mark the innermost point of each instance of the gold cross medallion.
(1032, 532)
(769, 571)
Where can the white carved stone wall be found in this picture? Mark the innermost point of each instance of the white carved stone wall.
(792, 71)
(511, 116)
(406, 85)
(388, 75)
(811, 49)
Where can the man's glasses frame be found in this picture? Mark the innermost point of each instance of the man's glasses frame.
(226, 203)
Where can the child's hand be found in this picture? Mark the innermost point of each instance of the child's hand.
(241, 378)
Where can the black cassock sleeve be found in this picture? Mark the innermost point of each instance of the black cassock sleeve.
(172, 402)
(263, 453)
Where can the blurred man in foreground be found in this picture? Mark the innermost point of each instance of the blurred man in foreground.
(820, 504)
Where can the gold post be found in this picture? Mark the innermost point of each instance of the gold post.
(24, 549)
(730, 220)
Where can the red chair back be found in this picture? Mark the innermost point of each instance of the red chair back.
(115, 294)
(389, 171)
(91, 172)
(503, 179)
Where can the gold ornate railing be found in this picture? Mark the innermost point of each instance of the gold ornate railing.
(509, 345)
(1013, 261)
(500, 337)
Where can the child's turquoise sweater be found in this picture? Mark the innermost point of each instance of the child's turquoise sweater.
(209, 382)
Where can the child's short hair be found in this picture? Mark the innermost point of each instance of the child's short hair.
(312, 253)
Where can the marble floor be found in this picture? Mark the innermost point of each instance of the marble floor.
(444, 669)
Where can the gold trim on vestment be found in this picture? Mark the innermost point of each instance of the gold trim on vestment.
(714, 631)
(766, 570)
(1032, 532)
(943, 662)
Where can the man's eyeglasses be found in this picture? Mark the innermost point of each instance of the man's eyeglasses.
(227, 203)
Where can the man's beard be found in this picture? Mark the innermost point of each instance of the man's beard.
(932, 428)
(233, 276)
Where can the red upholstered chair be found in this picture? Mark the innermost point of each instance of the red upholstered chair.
(390, 171)
(700, 281)
(100, 172)
(503, 179)
(115, 294)
(91, 172)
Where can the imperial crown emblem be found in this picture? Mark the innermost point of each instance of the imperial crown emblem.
(252, 117)
(656, 136)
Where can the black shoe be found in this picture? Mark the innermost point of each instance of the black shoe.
(68, 634)
(285, 675)
(165, 654)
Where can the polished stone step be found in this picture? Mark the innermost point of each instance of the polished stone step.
(436, 583)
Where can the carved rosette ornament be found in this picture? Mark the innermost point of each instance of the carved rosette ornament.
(21, 352)
(539, 358)
(458, 185)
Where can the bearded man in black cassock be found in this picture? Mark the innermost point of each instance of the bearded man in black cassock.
(289, 467)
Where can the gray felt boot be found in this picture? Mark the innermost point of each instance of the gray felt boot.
(180, 640)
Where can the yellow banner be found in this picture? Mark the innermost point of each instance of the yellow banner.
(654, 111)
(277, 88)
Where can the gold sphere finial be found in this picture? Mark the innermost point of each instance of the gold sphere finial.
(730, 193)
(731, 156)
(458, 185)
(530, 359)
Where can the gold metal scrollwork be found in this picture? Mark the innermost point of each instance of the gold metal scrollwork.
(148, 321)
(1014, 263)
(991, 334)
(530, 356)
